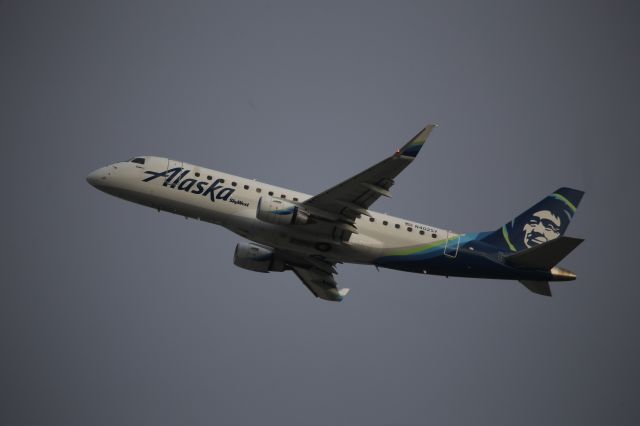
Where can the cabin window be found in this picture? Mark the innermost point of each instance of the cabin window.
(410, 229)
(258, 190)
(283, 196)
(434, 235)
(421, 232)
(197, 174)
(221, 180)
(295, 198)
(271, 193)
(138, 160)
(246, 187)
(385, 223)
(209, 178)
(371, 219)
(397, 226)
(234, 184)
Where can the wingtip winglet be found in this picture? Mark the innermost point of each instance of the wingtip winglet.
(412, 148)
(339, 294)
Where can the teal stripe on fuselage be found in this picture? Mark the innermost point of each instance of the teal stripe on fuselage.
(431, 252)
(474, 258)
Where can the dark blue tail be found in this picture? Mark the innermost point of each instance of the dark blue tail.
(543, 222)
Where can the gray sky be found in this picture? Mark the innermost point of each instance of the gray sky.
(111, 313)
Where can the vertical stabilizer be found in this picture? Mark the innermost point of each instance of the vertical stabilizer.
(545, 221)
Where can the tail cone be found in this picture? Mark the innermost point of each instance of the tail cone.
(561, 274)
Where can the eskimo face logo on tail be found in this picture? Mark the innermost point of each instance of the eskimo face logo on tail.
(175, 179)
(541, 227)
(542, 223)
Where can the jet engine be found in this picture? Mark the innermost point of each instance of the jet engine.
(280, 212)
(256, 257)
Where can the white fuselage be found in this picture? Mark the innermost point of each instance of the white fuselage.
(231, 201)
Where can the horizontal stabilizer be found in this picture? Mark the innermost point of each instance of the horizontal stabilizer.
(538, 287)
(544, 256)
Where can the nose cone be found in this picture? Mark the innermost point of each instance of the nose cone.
(96, 178)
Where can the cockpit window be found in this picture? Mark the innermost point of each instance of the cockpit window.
(138, 160)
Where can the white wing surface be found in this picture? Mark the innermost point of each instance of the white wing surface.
(316, 273)
(320, 283)
(343, 203)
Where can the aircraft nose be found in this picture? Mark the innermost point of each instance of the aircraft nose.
(96, 177)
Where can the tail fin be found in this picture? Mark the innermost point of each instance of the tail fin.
(545, 221)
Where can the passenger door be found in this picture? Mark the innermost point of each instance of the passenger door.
(451, 245)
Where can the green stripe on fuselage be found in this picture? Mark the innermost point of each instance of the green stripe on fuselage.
(418, 249)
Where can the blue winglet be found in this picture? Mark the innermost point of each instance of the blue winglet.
(412, 148)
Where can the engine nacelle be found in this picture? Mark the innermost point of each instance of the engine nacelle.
(280, 212)
(257, 258)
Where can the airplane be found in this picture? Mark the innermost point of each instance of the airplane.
(310, 235)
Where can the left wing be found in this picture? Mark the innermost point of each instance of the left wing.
(320, 283)
(351, 198)
(315, 273)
